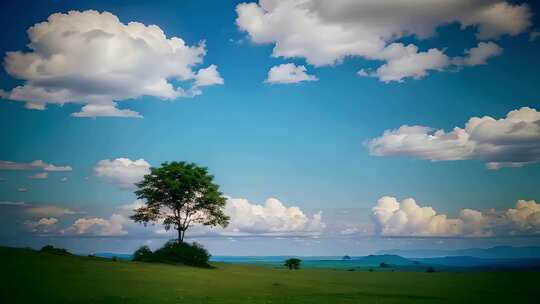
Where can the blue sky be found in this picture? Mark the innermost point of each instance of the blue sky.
(302, 143)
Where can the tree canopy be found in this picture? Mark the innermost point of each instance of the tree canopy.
(180, 194)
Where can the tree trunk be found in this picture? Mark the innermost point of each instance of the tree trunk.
(180, 236)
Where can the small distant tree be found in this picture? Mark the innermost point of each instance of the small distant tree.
(430, 269)
(181, 194)
(384, 265)
(293, 263)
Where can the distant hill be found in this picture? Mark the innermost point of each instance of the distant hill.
(498, 252)
(374, 260)
(474, 262)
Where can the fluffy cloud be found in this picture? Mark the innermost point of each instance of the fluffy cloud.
(513, 141)
(98, 226)
(43, 225)
(525, 216)
(272, 218)
(35, 165)
(289, 73)
(208, 76)
(324, 33)
(93, 59)
(479, 55)
(123, 172)
(407, 218)
(406, 61)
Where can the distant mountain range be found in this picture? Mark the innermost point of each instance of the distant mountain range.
(495, 258)
(498, 252)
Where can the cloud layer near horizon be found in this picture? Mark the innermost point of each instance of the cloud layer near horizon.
(270, 218)
(93, 59)
(513, 141)
(407, 218)
(325, 33)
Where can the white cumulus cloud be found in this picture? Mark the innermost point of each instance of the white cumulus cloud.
(208, 76)
(93, 59)
(326, 32)
(98, 226)
(43, 225)
(513, 141)
(122, 172)
(271, 218)
(288, 73)
(407, 218)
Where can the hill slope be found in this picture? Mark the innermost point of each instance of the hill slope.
(33, 277)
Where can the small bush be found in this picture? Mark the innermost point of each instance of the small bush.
(430, 269)
(174, 252)
(114, 259)
(293, 263)
(143, 254)
(53, 250)
(384, 265)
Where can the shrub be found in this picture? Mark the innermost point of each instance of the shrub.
(430, 269)
(293, 263)
(53, 250)
(174, 252)
(384, 265)
(143, 254)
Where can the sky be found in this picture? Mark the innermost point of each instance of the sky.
(333, 129)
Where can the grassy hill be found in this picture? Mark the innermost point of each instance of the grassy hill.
(34, 277)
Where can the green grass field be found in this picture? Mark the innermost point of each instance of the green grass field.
(33, 277)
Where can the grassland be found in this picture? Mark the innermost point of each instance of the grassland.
(32, 277)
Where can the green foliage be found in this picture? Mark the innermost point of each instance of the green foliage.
(384, 265)
(143, 254)
(293, 263)
(173, 252)
(181, 194)
(54, 250)
(430, 269)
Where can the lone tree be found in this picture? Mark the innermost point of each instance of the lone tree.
(293, 263)
(181, 194)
